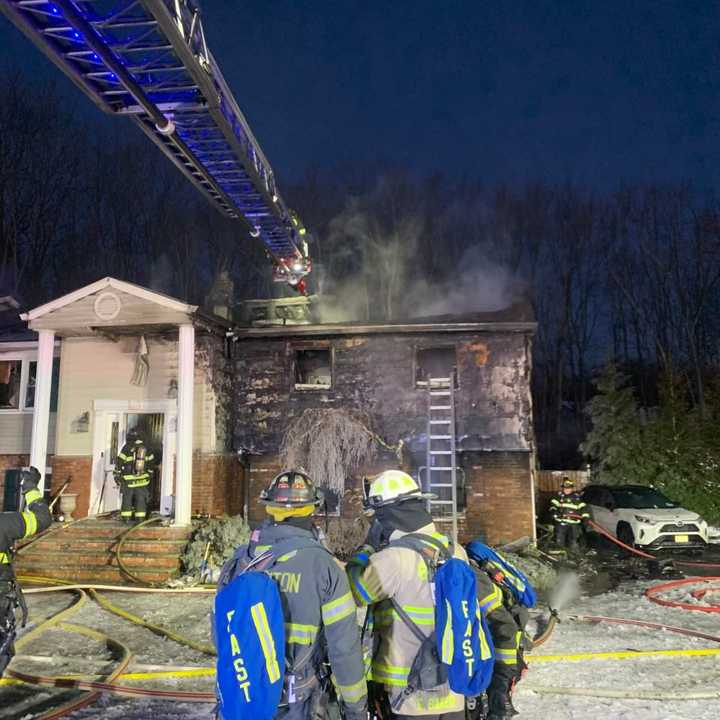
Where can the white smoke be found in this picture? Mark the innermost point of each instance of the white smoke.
(479, 285)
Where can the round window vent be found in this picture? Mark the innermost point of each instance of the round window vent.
(107, 306)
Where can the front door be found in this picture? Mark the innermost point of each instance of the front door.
(107, 492)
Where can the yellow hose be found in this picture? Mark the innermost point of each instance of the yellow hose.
(87, 697)
(157, 629)
(118, 553)
(621, 655)
(621, 694)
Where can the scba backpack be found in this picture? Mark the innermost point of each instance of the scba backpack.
(459, 651)
(249, 630)
(503, 572)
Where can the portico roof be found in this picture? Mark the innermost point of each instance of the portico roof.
(109, 303)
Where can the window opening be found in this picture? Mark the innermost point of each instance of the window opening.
(313, 368)
(436, 363)
(32, 382)
(10, 374)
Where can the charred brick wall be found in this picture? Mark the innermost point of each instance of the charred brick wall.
(218, 484)
(375, 374)
(498, 489)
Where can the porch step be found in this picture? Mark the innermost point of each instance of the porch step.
(109, 575)
(86, 552)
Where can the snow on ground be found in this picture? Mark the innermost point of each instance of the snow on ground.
(60, 652)
(659, 674)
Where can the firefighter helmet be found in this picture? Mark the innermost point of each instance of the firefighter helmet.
(567, 482)
(291, 488)
(132, 435)
(393, 486)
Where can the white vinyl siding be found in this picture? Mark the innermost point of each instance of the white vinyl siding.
(16, 432)
(98, 369)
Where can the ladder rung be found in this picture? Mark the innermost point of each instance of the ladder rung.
(436, 485)
(441, 437)
(441, 502)
(443, 467)
(441, 452)
(440, 422)
(440, 392)
(441, 407)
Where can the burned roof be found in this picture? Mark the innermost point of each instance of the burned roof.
(518, 317)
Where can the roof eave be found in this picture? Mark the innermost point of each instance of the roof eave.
(388, 328)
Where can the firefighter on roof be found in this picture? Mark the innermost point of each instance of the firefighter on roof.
(569, 511)
(380, 576)
(320, 614)
(15, 526)
(135, 465)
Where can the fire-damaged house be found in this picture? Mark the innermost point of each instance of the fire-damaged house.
(447, 387)
(447, 399)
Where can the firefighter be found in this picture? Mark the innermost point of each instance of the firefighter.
(15, 526)
(569, 513)
(380, 575)
(506, 620)
(320, 613)
(135, 463)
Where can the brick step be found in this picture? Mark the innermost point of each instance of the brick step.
(105, 574)
(80, 544)
(115, 530)
(100, 558)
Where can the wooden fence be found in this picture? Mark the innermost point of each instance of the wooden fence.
(549, 481)
(547, 484)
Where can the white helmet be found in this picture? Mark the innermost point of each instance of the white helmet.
(393, 486)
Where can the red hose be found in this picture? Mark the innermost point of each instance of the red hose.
(612, 537)
(651, 625)
(116, 689)
(651, 594)
(647, 556)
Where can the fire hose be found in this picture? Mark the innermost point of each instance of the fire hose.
(96, 688)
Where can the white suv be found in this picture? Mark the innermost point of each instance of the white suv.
(641, 515)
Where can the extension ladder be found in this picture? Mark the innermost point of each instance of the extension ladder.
(441, 470)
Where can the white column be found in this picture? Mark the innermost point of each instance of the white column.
(41, 412)
(186, 375)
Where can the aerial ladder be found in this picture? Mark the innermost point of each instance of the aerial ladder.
(149, 60)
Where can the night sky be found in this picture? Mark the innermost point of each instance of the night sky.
(594, 93)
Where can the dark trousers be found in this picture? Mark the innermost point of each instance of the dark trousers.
(314, 708)
(567, 535)
(135, 498)
(7, 630)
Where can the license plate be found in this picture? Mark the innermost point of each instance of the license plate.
(682, 538)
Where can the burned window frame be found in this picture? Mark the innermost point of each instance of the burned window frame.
(297, 347)
(419, 348)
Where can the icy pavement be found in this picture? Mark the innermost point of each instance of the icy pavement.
(60, 652)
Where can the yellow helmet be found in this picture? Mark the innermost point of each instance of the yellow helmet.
(392, 486)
